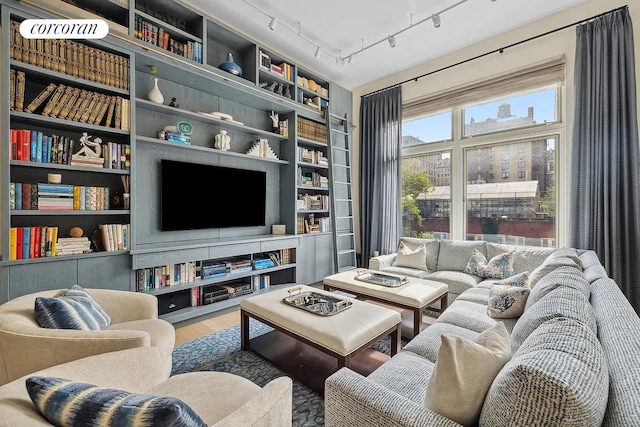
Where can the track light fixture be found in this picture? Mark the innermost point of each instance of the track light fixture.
(273, 24)
(318, 53)
(392, 41)
(351, 59)
(436, 21)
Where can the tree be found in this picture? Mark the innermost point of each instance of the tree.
(547, 201)
(415, 181)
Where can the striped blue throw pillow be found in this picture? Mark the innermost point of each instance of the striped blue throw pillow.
(71, 309)
(75, 404)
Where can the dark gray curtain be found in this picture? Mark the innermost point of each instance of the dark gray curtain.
(380, 162)
(605, 210)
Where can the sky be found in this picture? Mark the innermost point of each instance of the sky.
(438, 127)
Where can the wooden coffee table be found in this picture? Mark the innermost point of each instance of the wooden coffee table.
(415, 295)
(341, 336)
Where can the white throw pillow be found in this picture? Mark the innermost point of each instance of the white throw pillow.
(416, 258)
(520, 279)
(464, 371)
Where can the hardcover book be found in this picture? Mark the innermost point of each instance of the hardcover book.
(38, 99)
(20, 83)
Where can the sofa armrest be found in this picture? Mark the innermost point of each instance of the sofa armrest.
(125, 306)
(273, 406)
(353, 400)
(382, 261)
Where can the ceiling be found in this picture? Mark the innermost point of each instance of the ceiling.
(343, 27)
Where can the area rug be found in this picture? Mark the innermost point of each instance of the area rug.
(221, 352)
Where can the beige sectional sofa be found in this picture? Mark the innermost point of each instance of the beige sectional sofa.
(574, 349)
(220, 399)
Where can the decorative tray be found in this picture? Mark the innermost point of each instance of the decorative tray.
(316, 303)
(383, 279)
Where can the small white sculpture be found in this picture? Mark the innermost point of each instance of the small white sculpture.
(222, 141)
(274, 120)
(89, 148)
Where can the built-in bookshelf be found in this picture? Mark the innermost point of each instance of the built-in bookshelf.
(63, 90)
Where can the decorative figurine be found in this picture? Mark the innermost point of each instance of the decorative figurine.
(272, 86)
(173, 103)
(287, 92)
(89, 148)
(222, 141)
(279, 89)
(275, 121)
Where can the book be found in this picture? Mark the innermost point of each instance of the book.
(19, 244)
(12, 89)
(20, 86)
(35, 103)
(71, 102)
(62, 101)
(26, 196)
(82, 107)
(32, 242)
(118, 113)
(54, 243)
(26, 239)
(95, 98)
(13, 237)
(112, 105)
(53, 100)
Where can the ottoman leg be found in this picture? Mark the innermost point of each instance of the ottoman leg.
(395, 340)
(244, 330)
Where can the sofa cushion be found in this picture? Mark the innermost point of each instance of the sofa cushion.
(457, 281)
(559, 377)
(561, 302)
(565, 252)
(477, 295)
(71, 309)
(498, 267)
(162, 334)
(70, 403)
(548, 266)
(525, 258)
(469, 315)
(432, 247)
(507, 302)
(457, 388)
(399, 375)
(566, 277)
(592, 268)
(427, 343)
(412, 258)
(454, 254)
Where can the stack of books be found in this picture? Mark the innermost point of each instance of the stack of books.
(73, 245)
(55, 197)
(80, 160)
(261, 263)
(239, 266)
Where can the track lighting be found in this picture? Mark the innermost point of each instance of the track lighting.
(436, 21)
(392, 41)
(351, 59)
(273, 24)
(318, 53)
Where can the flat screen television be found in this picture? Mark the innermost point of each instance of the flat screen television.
(196, 196)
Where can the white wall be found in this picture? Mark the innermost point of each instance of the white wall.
(559, 43)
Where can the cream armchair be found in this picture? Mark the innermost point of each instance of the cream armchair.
(219, 398)
(25, 347)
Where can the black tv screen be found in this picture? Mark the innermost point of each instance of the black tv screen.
(196, 196)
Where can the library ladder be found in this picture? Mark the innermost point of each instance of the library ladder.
(340, 180)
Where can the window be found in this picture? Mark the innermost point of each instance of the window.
(511, 119)
(426, 193)
(433, 128)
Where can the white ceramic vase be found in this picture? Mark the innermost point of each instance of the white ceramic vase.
(222, 141)
(154, 94)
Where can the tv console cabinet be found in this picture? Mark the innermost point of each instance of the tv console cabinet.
(191, 76)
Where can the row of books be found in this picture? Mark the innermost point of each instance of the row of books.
(315, 225)
(115, 237)
(35, 146)
(312, 179)
(41, 196)
(284, 69)
(165, 275)
(70, 57)
(312, 130)
(316, 157)
(43, 241)
(69, 103)
(158, 36)
(310, 202)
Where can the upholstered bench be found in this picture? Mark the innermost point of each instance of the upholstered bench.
(341, 335)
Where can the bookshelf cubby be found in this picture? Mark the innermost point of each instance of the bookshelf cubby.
(199, 87)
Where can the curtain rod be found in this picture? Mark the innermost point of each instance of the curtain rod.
(499, 50)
